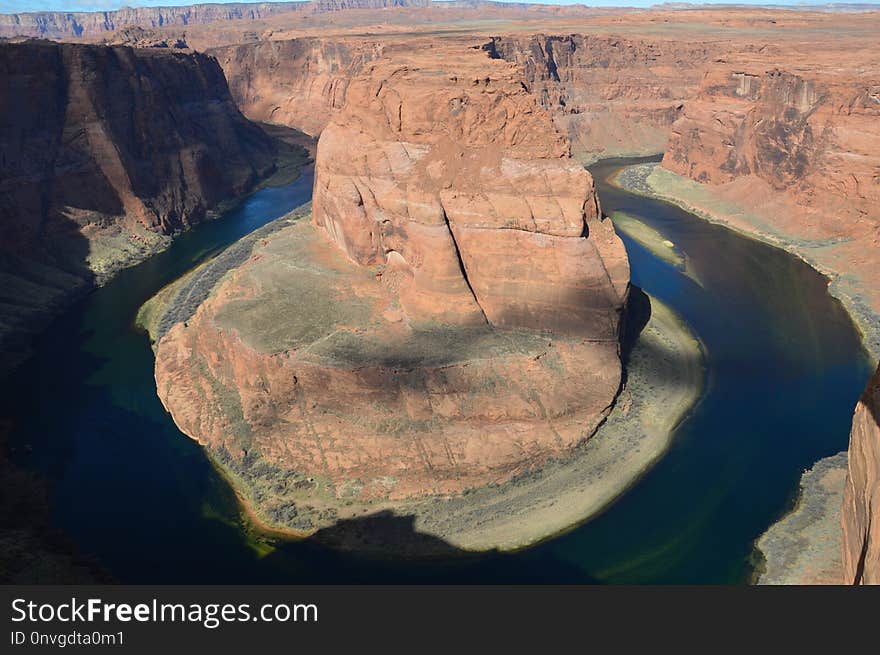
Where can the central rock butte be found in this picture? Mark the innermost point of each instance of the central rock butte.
(448, 320)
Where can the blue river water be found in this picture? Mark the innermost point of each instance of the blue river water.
(785, 368)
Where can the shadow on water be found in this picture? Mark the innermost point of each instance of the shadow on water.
(357, 550)
(80, 417)
(43, 269)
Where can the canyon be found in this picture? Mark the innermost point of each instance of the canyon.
(794, 157)
(609, 96)
(127, 147)
(450, 137)
(780, 144)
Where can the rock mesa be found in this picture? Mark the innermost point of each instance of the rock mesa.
(448, 320)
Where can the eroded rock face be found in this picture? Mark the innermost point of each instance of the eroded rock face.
(143, 137)
(449, 319)
(300, 374)
(815, 140)
(140, 37)
(611, 96)
(861, 503)
(295, 82)
(104, 151)
(454, 179)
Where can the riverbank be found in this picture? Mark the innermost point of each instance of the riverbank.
(804, 547)
(665, 379)
(848, 285)
(178, 301)
(654, 242)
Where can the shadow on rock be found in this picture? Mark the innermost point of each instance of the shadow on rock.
(635, 318)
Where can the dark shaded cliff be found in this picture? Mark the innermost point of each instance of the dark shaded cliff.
(104, 153)
(861, 503)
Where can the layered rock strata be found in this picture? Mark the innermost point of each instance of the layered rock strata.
(448, 320)
(104, 153)
(796, 158)
(295, 82)
(611, 96)
(69, 25)
(813, 138)
(444, 176)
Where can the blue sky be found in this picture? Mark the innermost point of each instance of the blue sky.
(14, 6)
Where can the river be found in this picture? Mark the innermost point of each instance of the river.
(784, 364)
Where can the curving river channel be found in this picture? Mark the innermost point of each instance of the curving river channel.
(784, 364)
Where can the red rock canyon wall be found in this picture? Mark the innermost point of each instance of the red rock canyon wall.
(861, 504)
(103, 150)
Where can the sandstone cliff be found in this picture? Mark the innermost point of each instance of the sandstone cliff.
(449, 320)
(295, 82)
(861, 504)
(140, 37)
(611, 96)
(794, 159)
(104, 152)
(814, 139)
(432, 174)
